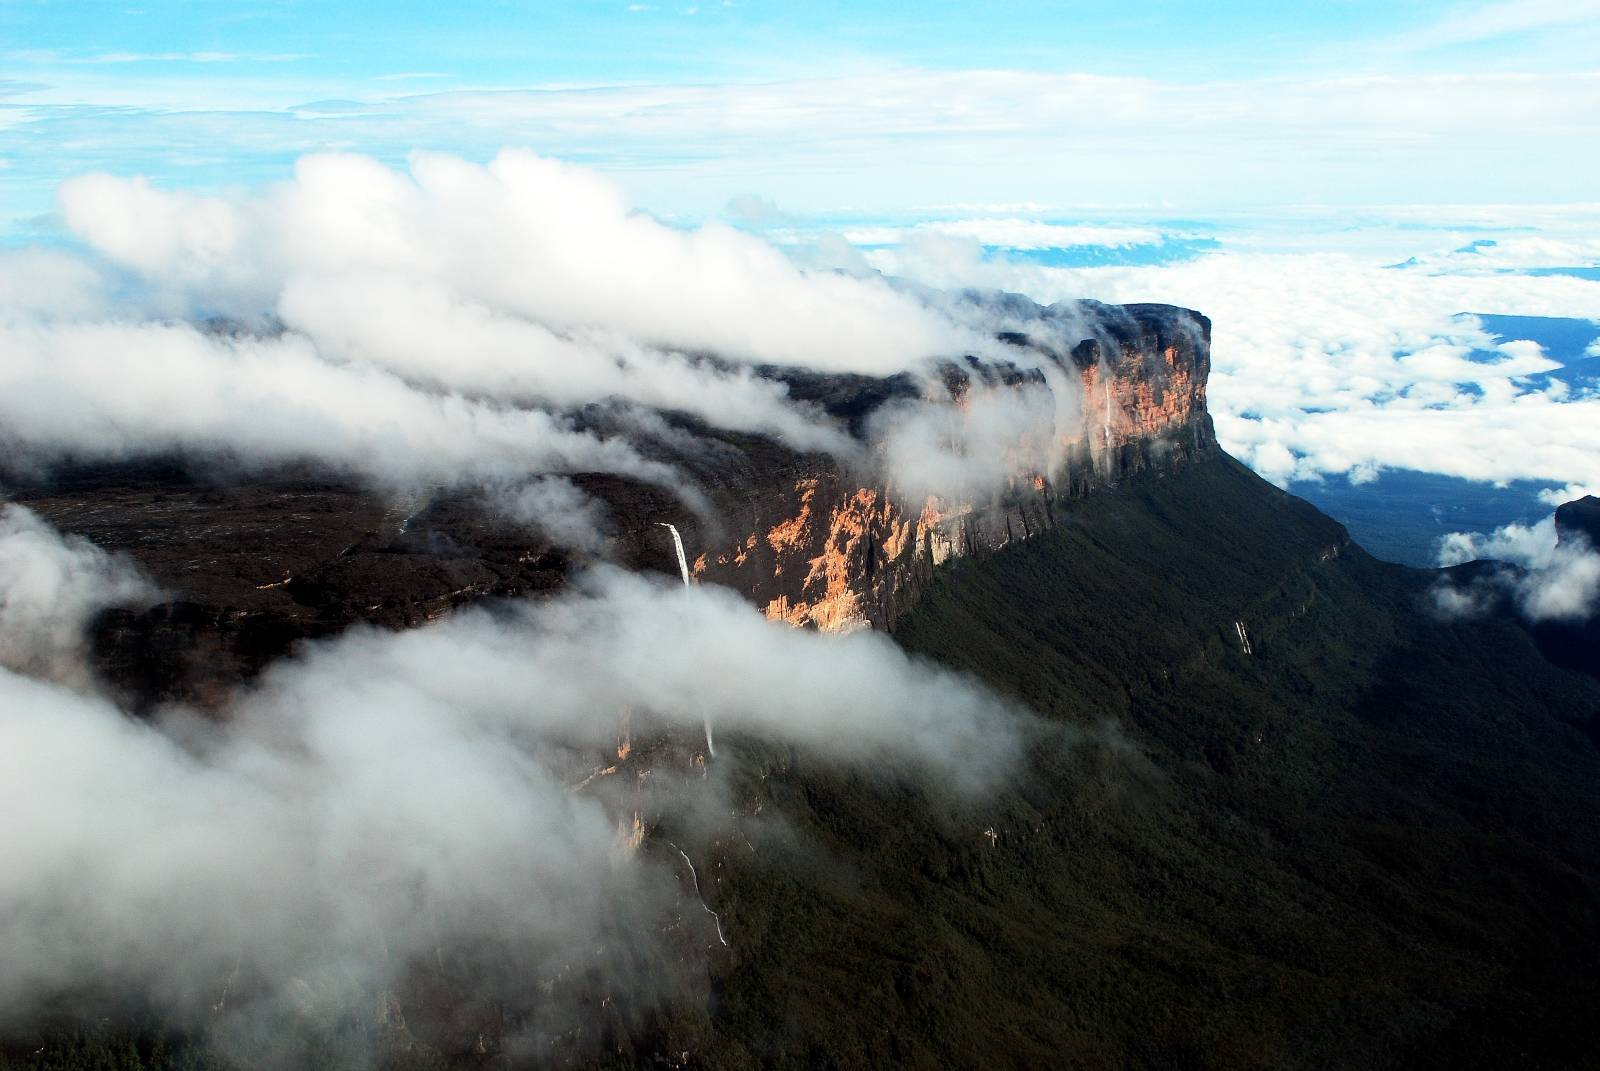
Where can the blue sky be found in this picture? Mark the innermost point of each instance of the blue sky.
(827, 107)
(503, 44)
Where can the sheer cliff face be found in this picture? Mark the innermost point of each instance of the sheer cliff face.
(1579, 520)
(818, 545)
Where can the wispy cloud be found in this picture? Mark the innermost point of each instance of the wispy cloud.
(1471, 24)
(52, 58)
(994, 136)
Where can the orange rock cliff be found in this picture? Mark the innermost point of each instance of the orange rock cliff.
(818, 544)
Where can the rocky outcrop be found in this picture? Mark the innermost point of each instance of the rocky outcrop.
(1579, 519)
(818, 545)
(1575, 644)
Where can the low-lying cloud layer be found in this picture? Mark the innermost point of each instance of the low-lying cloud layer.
(1553, 579)
(432, 799)
(111, 390)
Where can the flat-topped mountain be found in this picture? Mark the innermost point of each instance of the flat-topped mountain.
(250, 562)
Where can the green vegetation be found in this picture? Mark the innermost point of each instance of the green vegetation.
(1371, 843)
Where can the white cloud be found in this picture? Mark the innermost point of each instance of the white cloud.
(1484, 22)
(51, 586)
(436, 326)
(1555, 496)
(1530, 546)
(524, 236)
(38, 282)
(961, 453)
(863, 141)
(391, 800)
(433, 327)
(552, 504)
(1557, 579)
(1010, 233)
(113, 390)
(1332, 363)
(1566, 590)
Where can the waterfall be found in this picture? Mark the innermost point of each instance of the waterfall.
(683, 570)
(695, 878)
(1106, 383)
(677, 544)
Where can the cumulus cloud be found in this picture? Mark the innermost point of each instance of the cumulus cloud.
(452, 324)
(1530, 546)
(524, 236)
(1555, 496)
(443, 800)
(51, 586)
(456, 323)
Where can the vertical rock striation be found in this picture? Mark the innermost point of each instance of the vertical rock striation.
(821, 545)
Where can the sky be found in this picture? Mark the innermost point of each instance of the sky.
(828, 107)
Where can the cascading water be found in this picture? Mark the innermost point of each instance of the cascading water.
(683, 569)
(694, 877)
(1106, 383)
(677, 545)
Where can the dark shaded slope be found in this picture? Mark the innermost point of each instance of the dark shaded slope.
(1574, 644)
(1371, 842)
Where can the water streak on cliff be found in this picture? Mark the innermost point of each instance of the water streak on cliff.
(683, 570)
